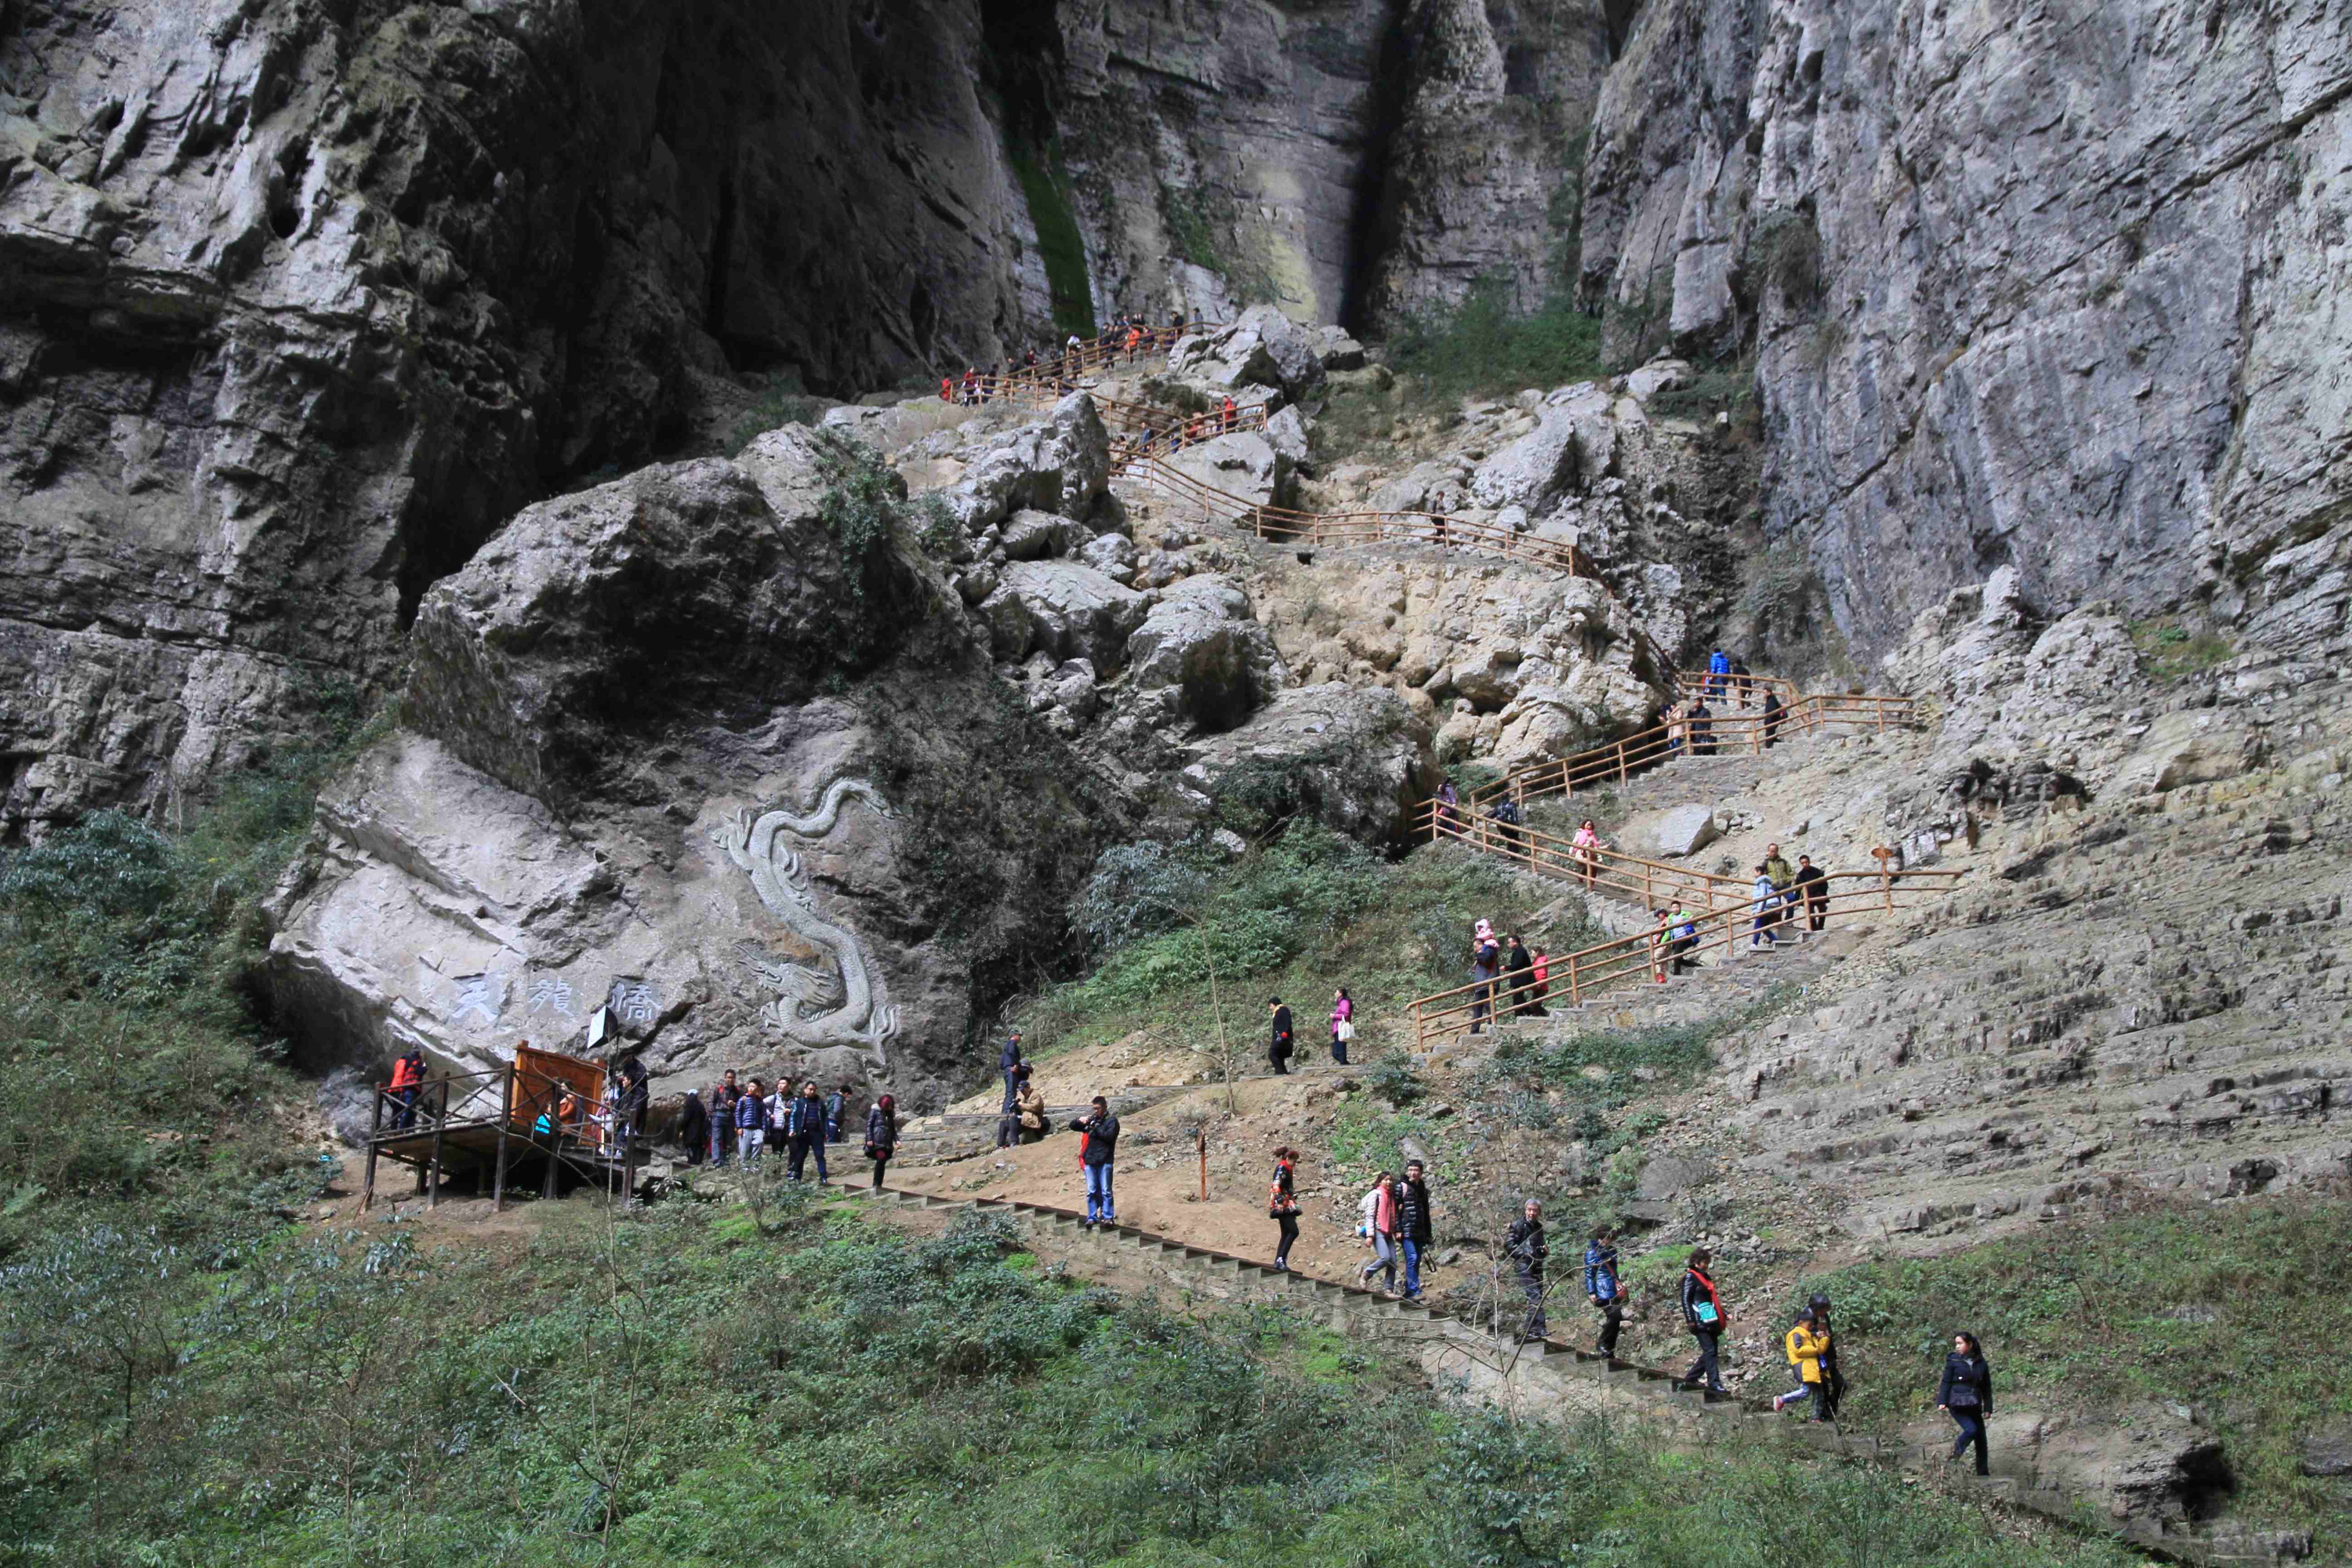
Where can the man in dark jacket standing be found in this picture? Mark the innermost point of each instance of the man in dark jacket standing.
(629, 1104)
(1102, 1146)
(1278, 1049)
(1008, 1062)
(1414, 1216)
(1528, 1249)
(805, 1131)
(1812, 885)
(693, 1127)
(1520, 964)
(836, 1105)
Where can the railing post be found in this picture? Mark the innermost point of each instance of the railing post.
(1418, 1034)
(1620, 762)
(375, 1127)
(506, 1118)
(1887, 882)
(1575, 997)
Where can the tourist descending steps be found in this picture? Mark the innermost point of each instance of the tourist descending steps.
(1101, 1131)
(1771, 717)
(1521, 965)
(836, 1106)
(1585, 850)
(1280, 1044)
(805, 1131)
(1705, 1315)
(1416, 1218)
(407, 1083)
(1526, 1250)
(1966, 1395)
(1343, 1024)
(1281, 1205)
(1379, 1230)
(882, 1135)
(1812, 884)
(1603, 1288)
(1806, 1342)
(1832, 1379)
(1683, 929)
(1486, 962)
(1767, 913)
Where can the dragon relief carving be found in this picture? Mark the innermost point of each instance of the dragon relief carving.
(810, 1005)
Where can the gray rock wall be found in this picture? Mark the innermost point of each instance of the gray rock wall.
(2047, 285)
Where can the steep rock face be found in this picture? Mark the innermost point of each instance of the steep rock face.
(302, 299)
(1479, 168)
(669, 751)
(2025, 288)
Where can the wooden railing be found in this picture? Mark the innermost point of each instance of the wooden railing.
(1739, 732)
(507, 1101)
(1112, 348)
(1645, 957)
(1599, 869)
(1740, 688)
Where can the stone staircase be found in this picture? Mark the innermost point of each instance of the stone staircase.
(1547, 1376)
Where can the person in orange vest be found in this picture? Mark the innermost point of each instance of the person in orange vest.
(1231, 414)
(407, 1083)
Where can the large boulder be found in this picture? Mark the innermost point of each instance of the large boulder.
(1062, 609)
(671, 752)
(1244, 466)
(1060, 464)
(1574, 439)
(1264, 348)
(1203, 647)
(1353, 757)
(1685, 830)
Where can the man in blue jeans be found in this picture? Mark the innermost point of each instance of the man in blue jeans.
(804, 1130)
(1413, 1216)
(1101, 1130)
(1008, 1062)
(1601, 1287)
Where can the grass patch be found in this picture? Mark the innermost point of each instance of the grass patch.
(2169, 651)
(783, 401)
(2216, 1308)
(1298, 919)
(1485, 347)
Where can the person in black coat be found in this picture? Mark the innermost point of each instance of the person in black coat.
(1278, 1049)
(693, 1127)
(1832, 1375)
(1416, 1216)
(1008, 1062)
(1520, 965)
(1101, 1130)
(1528, 1249)
(1812, 885)
(881, 1135)
(1965, 1395)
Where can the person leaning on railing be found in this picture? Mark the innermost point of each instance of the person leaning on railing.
(407, 1083)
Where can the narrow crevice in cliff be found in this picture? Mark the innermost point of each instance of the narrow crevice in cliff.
(1368, 235)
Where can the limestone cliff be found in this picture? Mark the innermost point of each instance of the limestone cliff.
(2045, 285)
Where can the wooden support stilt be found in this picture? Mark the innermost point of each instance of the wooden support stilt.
(506, 1119)
(376, 1127)
(439, 1122)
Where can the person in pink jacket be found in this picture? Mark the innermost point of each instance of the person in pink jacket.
(1343, 1024)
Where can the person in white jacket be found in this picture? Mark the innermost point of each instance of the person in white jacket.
(1767, 900)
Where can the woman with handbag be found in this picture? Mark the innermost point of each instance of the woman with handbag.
(1343, 1024)
(881, 1135)
(1282, 1207)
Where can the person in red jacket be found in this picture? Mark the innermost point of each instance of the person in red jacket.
(407, 1083)
(946, 389)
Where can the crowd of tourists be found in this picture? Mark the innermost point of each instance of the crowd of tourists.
(1129, 338)
(739, 1122)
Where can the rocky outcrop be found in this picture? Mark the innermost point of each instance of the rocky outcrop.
(1202, 654)
(675, 749)
(2013, 300)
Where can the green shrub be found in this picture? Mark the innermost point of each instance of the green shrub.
(1487, 347)
(782, 402)
(1786, 251)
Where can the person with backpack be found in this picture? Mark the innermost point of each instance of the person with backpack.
(881, 1135)
(1416, 1221)
(1102, 1134)
(1380, 1226)
(1527, 1249)
(408, 1084)
(836, 1105)
(805, 1133)
(1966, 1395)
(1767, 900)
(1705, 1315)
(1278, 1047)
(1805, 1344)
(1281, 1205)
(1601, 1287)
(1343, 1026)
(1684, 926)
(1832, 1379)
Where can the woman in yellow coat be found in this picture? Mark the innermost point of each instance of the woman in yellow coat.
(1806, 1343)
